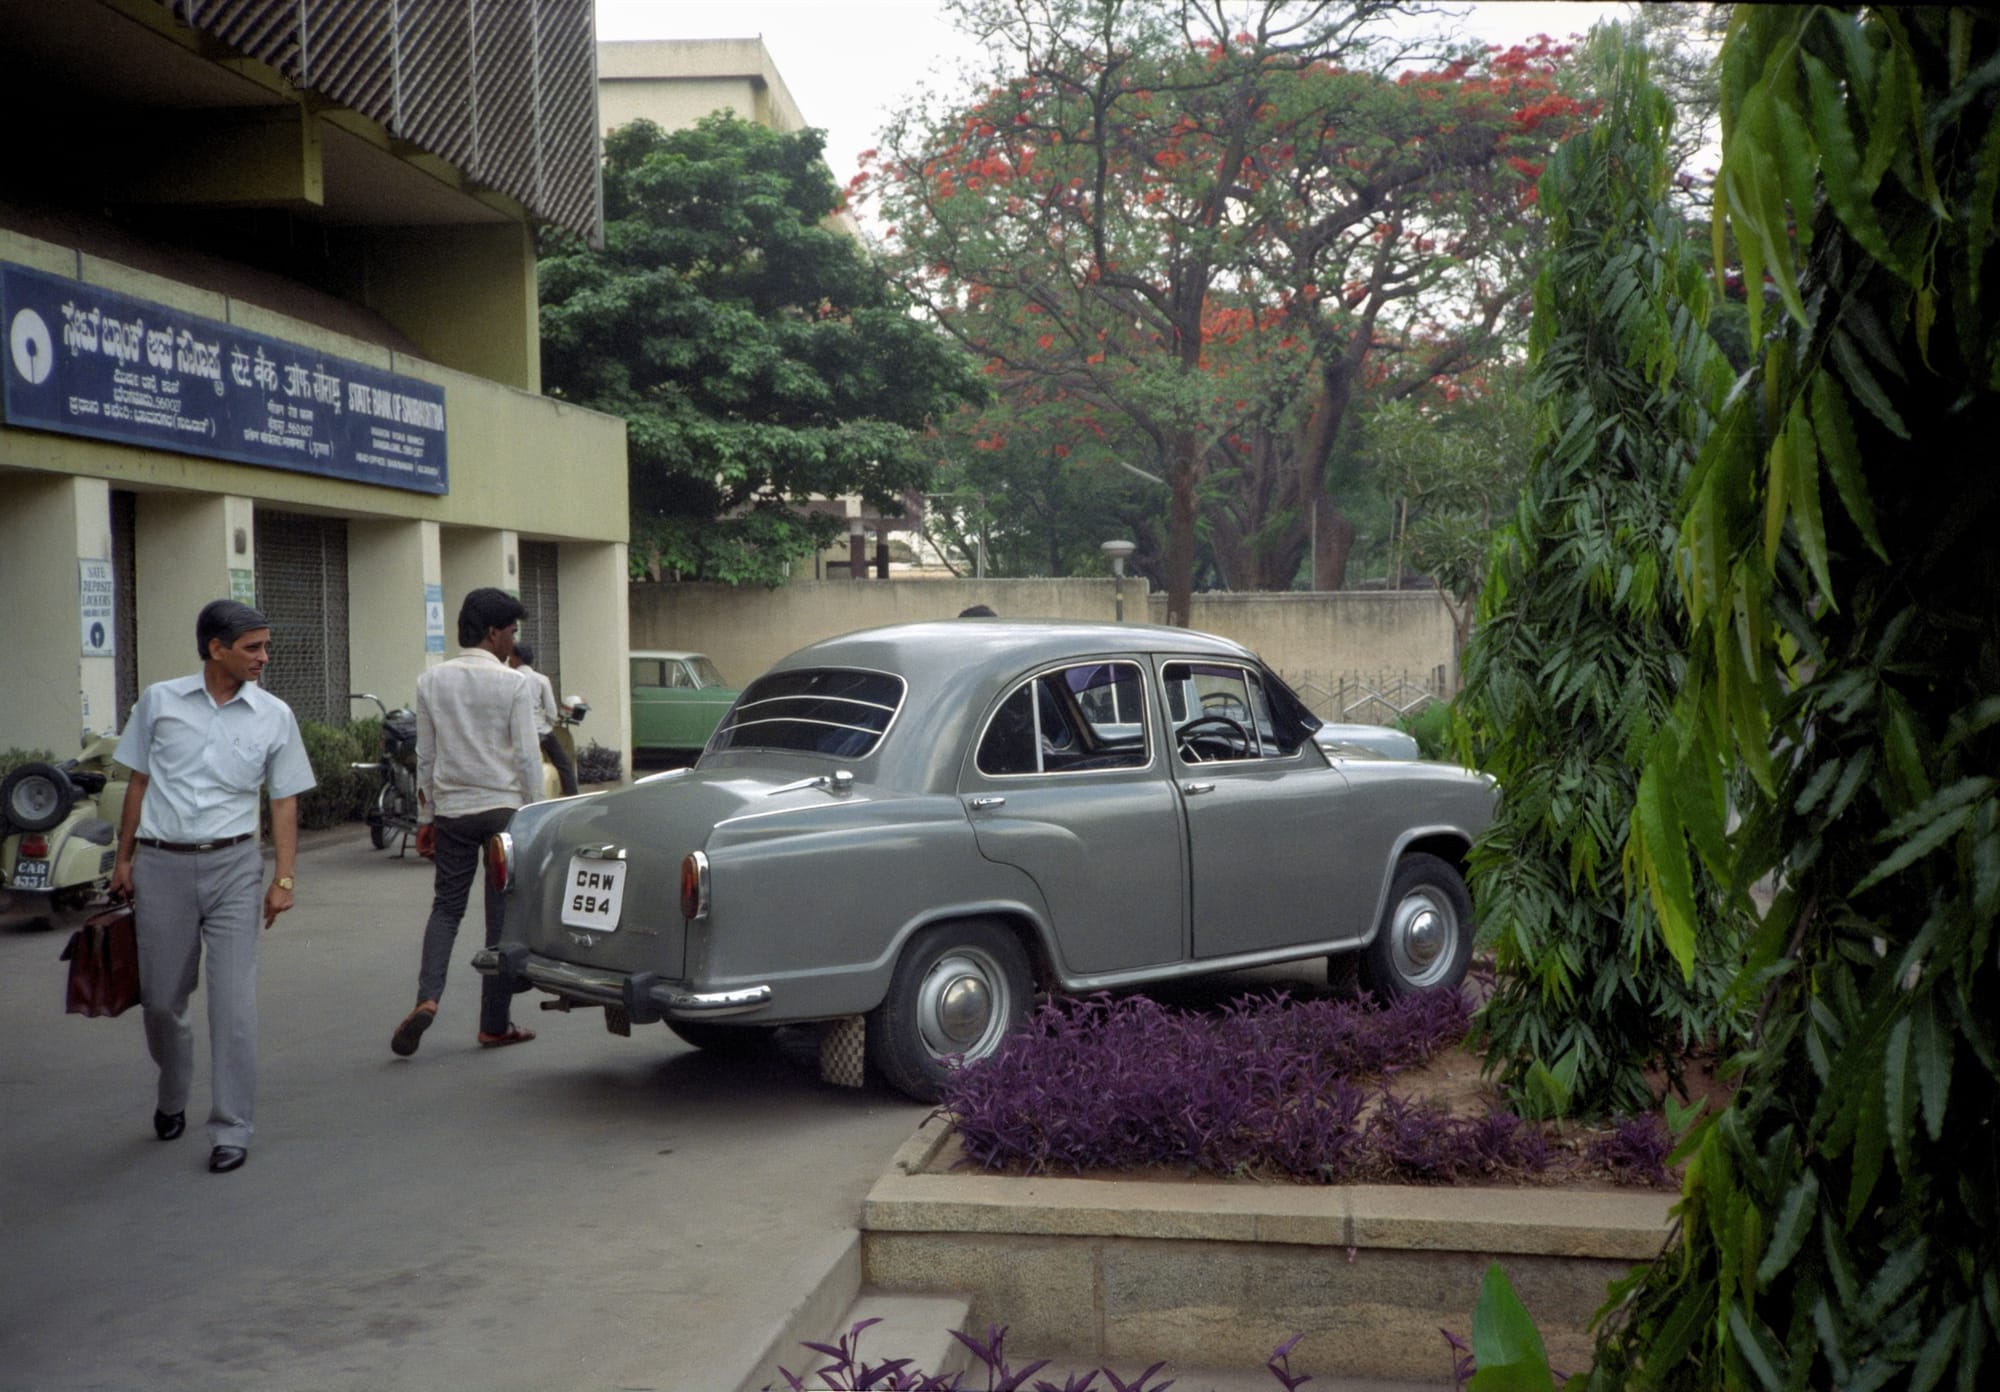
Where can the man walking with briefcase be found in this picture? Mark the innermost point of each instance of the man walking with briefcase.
(200, 748)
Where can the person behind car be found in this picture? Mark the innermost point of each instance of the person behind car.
(200, 747)
(477, 762)
(548, 711)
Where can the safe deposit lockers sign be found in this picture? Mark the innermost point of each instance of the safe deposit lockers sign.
(85, 361)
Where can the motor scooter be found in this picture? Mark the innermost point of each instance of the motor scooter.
(573, 711)
(59, 830)
(392, 816)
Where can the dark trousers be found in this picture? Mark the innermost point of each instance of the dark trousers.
(459, 842)
(557, 755)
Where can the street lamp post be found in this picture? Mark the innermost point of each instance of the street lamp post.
(1118, 551)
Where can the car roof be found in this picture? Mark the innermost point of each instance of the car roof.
(964, 650)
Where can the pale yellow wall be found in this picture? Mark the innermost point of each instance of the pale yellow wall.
(185, 546)
(472, 560)
(43, 521)
(1307, 637)
(1321, 637)
(388, 565)
(676, 82)
(90, 510)
(465, 296)
(593, 640)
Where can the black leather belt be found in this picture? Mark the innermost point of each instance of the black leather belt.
(189, 847)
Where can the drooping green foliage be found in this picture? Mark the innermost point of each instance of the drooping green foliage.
(1840, 1225)
(1572, 672)
(757, 356)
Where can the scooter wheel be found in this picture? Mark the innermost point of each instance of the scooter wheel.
(36, 796)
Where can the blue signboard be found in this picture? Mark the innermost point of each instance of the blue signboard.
(85, 361)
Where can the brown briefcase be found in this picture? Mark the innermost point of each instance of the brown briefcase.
(103, 958)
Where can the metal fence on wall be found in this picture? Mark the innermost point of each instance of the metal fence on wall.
(1380, 698)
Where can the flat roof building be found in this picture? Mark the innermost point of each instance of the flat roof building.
(268, 288)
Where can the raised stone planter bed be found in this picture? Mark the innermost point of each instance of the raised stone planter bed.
(1208, 1274)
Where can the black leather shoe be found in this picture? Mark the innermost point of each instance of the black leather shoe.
(168, 1128)
(225, 1158)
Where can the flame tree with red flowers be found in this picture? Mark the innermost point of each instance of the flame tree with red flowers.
(1228, 225)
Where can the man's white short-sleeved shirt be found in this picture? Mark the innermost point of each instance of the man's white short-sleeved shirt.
(206, 762)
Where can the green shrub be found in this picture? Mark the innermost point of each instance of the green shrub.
(1431, 728)
(595, 763)
(344, 792)
(11, 759)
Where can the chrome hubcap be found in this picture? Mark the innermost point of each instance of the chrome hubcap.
(960, 1009)
(1423, 938)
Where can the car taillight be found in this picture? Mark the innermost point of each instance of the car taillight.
(499, 862)
(34, 847)
(694, 886)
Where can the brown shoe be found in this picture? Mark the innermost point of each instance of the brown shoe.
(404, 1041)
(514, 1035)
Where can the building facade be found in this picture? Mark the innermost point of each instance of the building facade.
(267, 281)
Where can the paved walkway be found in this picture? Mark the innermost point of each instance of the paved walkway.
(582, 1212)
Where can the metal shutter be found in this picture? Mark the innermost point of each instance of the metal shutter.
(125, 585)
(543, 626)
(302, 589)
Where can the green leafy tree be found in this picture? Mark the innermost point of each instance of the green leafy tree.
(1452, 464)
(1151, 189)
(1840, 1223)
(1578, 655)
(757, 356)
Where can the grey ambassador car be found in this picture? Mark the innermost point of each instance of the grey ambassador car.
(928, 823)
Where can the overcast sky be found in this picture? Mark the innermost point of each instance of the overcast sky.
(849, 63)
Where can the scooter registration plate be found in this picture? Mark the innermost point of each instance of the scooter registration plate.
(31, 874)
(593, 894)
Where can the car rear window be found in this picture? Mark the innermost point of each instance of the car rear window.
(817, 710)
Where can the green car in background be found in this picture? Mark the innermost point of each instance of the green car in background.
(678, 698)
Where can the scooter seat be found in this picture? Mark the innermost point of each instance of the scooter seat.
(95, 830)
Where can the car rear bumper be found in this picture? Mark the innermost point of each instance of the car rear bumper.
(642, 995)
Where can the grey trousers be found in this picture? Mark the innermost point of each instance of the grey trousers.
(191, 904)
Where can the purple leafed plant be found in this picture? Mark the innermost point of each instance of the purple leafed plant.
(850, 1372)
(1635, 1151)
(1269, 1086)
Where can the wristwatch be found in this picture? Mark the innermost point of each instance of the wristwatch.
(283, 882)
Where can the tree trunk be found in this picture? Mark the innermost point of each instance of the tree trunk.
(1333, 542)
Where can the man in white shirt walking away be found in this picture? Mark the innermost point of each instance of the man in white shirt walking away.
(548, 711)
(477, 761)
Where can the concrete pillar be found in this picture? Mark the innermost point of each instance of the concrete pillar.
(49, 691)
(393, 570)
(595, 592)
(470, 559)
(189, 548)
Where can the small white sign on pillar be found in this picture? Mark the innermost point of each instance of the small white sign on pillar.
(97, 595)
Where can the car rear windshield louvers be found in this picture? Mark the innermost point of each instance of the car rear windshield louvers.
(817, 711)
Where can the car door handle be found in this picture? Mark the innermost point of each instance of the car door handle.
(981, 803)
(1192, 788)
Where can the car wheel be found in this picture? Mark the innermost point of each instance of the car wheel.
(957, 989)
(1424, 942)
(36, 796)
(726, 1041)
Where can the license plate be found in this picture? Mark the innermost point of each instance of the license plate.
(31, 874)
(593, 894)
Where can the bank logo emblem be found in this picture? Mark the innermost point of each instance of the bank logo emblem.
(33, 351)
